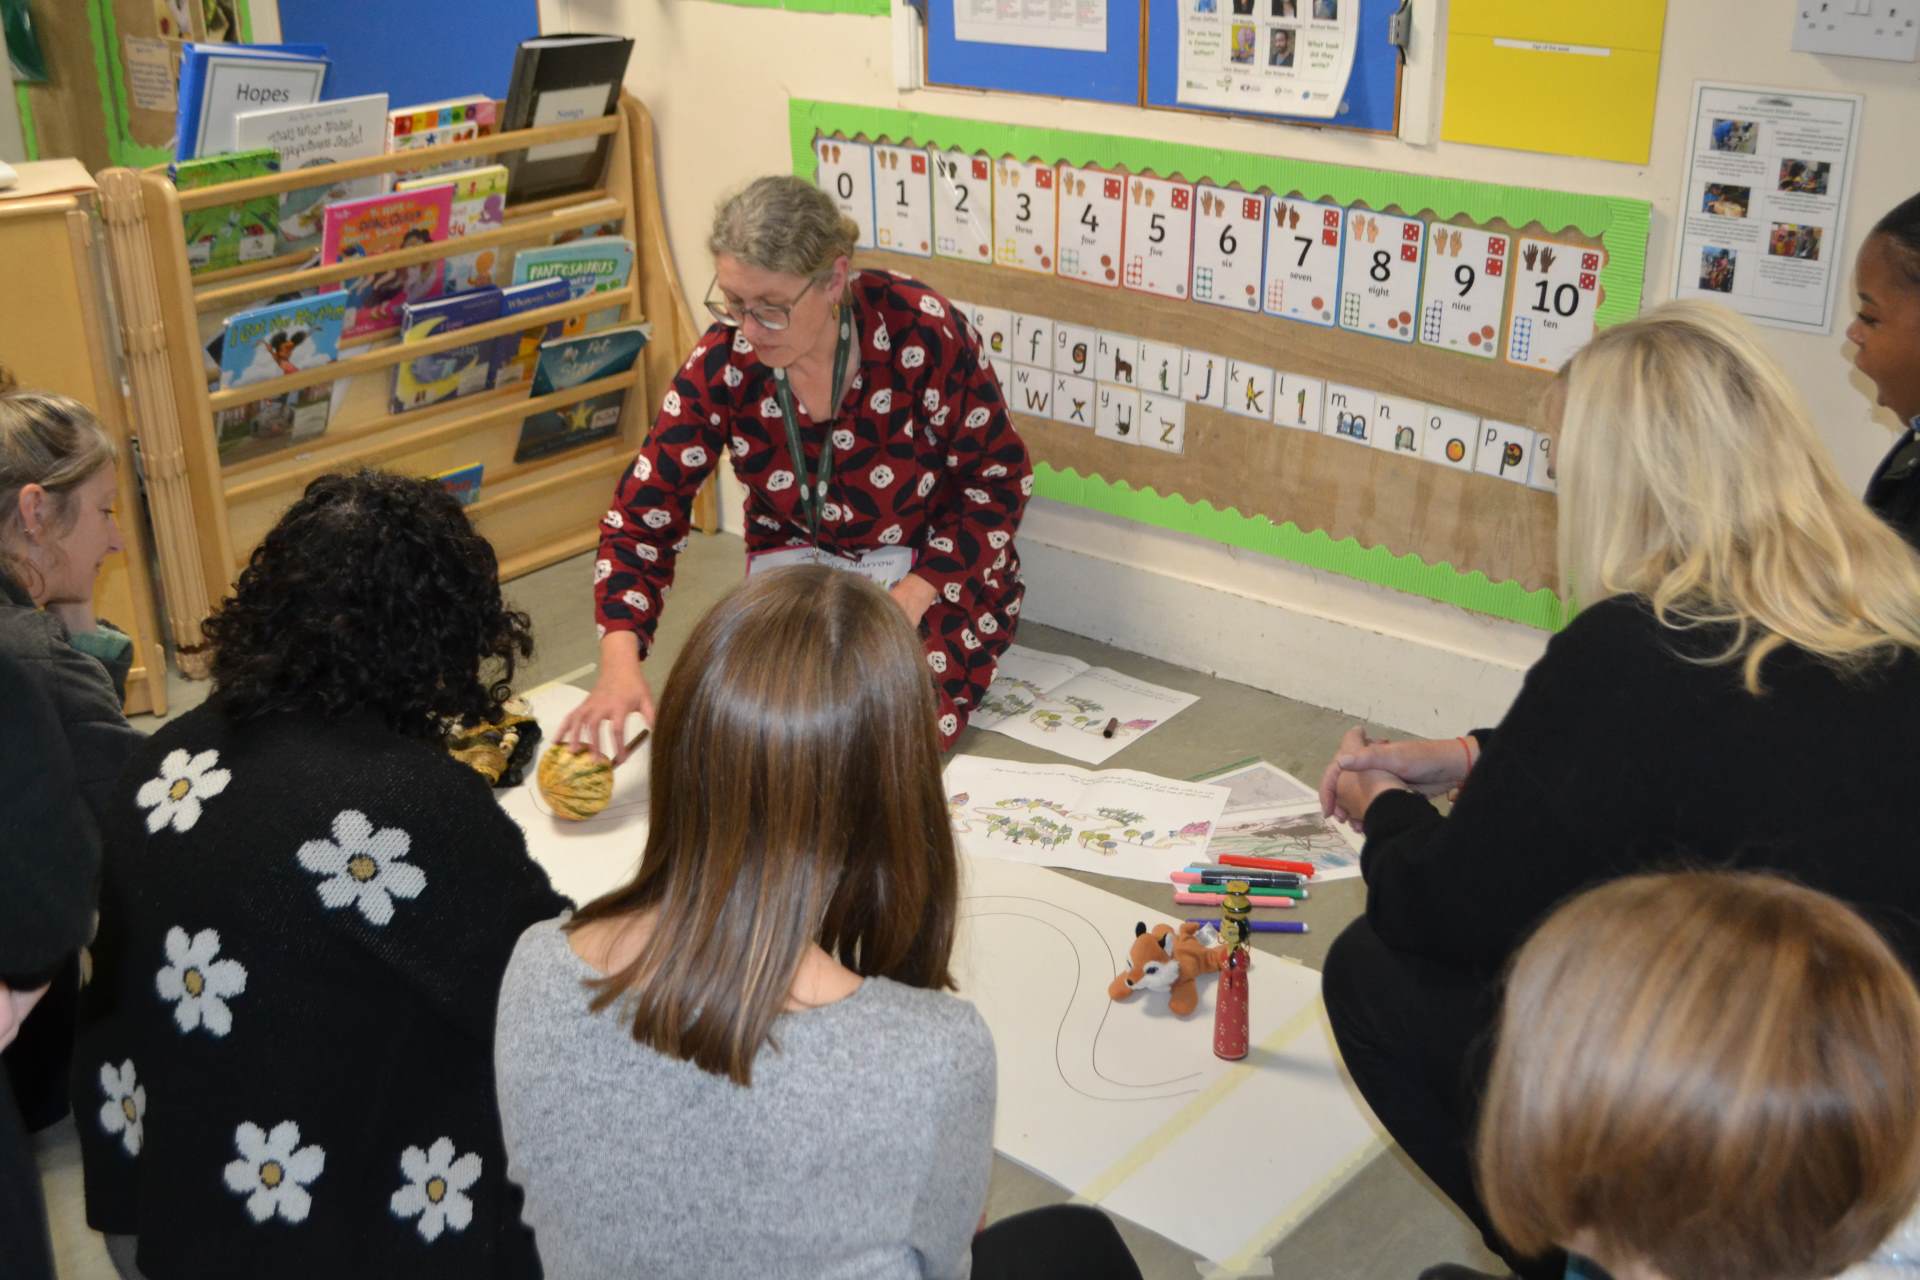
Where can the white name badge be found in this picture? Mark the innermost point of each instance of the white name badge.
(885, 565)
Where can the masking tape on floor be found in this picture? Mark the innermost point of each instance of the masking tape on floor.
(1227, 1271)
(1253, 1254)
(1109, 1180)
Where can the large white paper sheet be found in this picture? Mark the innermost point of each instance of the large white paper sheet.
(1764, 207)
(1119, 822)
(583, 859)
(1062, 704)
(1125, 1104)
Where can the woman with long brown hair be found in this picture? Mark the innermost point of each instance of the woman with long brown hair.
(743, 1062)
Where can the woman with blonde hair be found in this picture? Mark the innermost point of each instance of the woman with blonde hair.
(744, 1061)
(1703, 1075)
(1736, 690)
(865, 423)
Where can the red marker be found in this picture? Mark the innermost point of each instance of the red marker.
(1266, 864)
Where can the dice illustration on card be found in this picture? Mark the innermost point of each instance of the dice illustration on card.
(1380, 274)
(1023, 215)
(903, 200)
(1093, 211)
(1159, 237)
(1464, 303)
(846, 173)
(1229, 240)
(1303, 260)
(962, 206)
(1556, 291)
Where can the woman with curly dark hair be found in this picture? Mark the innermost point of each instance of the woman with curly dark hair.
(284, 1058)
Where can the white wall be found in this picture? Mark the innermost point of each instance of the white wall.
(717, 79)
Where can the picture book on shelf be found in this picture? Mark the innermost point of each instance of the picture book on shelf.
(461, 371)
(230, 234)
(558, 79)
(219, 81)
(479, 204)
(383, 224)
(463, 483)
(435, 124)
(566, 363)
(516, 354)
(599, 265)
(310, 137)
(269, 342)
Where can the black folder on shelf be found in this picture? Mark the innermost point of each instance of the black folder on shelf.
(556, 80)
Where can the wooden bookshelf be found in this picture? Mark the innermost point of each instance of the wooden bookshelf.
(208, 517)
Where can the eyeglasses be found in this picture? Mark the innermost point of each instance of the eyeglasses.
(769, 317)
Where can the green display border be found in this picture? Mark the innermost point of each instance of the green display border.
(1618, 222)
(113, 84)
(29, 131)
(866, 8)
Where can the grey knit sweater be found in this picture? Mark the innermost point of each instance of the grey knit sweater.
(862, 1148)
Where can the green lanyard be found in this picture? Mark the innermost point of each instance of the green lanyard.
(813, 489)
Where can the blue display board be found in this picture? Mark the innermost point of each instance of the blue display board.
(1113, 76)
(1373, 93)
(416, 51)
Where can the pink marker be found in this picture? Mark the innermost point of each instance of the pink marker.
(1219, 899)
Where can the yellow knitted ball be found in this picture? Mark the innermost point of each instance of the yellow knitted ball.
(576, 783)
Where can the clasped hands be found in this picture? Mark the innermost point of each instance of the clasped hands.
(1364, 767)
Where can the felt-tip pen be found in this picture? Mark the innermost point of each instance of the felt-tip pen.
(1265, 864)
(1258, 879)
(1185, 899)
(1112, 726)
(1264, 926)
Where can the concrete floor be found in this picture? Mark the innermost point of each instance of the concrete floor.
(1387, 1223)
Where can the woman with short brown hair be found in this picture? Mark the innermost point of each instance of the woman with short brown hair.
(1704, 1075)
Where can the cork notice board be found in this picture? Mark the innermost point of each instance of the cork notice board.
(1456, 536)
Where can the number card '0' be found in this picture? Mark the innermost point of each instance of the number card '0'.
(962, 206)
(1303, 260)
(1380, 277)
(1158, 253)
(1093, 211)
(1556, 288)
(1023, 209)
(1465, 301)
(846, 174)
(1229, 238)
(903, 201)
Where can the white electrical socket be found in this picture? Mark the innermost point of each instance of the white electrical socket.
(1888, 29)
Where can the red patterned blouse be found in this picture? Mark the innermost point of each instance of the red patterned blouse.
(926, 458)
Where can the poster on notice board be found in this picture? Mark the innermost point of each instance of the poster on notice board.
(1274, 57)
(1765, 202)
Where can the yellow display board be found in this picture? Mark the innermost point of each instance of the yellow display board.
(1568, 77)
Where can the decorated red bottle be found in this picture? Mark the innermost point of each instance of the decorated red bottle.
(1230, 1009)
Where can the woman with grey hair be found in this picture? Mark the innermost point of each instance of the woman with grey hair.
(868, 431)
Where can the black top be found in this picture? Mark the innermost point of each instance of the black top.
(1619, 755)
(1894, 491)
(285, 1057)
(50, 852)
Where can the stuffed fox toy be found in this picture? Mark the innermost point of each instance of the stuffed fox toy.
(1163, 960)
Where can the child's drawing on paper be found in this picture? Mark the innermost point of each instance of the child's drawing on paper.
(1301, 835)
(1118, 822)
(1064, 705)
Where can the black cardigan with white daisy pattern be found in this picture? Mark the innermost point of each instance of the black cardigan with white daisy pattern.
(285, 1056)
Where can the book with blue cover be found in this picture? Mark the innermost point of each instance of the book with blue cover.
(463, 483)
(270, 342)
(566, 363)
(597, 265)
(517, 354)
(219, 81)
(461, 371)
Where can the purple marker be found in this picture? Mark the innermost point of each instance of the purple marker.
(1264, 926)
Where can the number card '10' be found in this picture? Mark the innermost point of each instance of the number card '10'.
(1556, 289)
